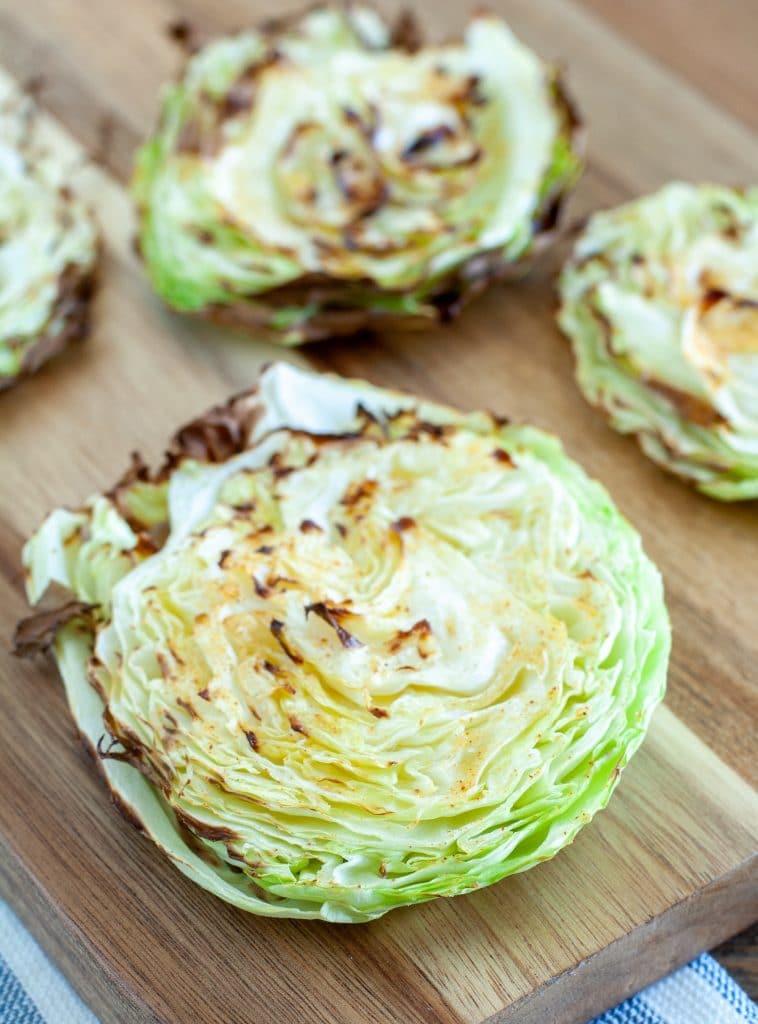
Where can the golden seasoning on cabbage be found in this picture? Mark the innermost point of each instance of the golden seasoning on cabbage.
(323, 174)
(660, 300)
(349, 651)
(48, 248)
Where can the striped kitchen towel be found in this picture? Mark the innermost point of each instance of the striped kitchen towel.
(32, 991)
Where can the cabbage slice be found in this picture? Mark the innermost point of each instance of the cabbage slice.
(324, 174)
(48, 248)
(349, 651)
(660, 301)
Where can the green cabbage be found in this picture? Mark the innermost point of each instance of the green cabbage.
(351, 651)
(48, 249)
(318, 177)
(660, 300)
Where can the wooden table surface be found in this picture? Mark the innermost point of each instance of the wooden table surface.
(691, 64)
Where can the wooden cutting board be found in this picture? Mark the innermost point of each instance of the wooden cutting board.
(669, 868)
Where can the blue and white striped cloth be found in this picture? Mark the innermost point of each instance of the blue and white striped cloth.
(32, 991)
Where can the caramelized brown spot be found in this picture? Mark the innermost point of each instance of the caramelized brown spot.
(277, 629)
(403, 523)
(260, 588)
(170, 724)
(297, 726)
(179, 660)
(711, 298)
(239, 98)
(251, 738)
(279, 467)
(498, 421)
(501, 455)
(421, 631)
(332, 617)
(145, 546)
(426, 139)
(688, 406)
(205, 693)
(472, 92)
(274, 581)
(269, 666)
(93, 665)
(435, 430)
(358, 493)
(379, 712)
(188, 707)
(203, 235)
(223, 558)
(308, 526)
(369, 419)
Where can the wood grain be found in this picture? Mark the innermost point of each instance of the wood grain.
(669, 869)
(707, 43)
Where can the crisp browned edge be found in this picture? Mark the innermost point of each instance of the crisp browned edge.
(452, 292)
(214, 436)
(76, 288)
(654, 949)
(36, 633)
